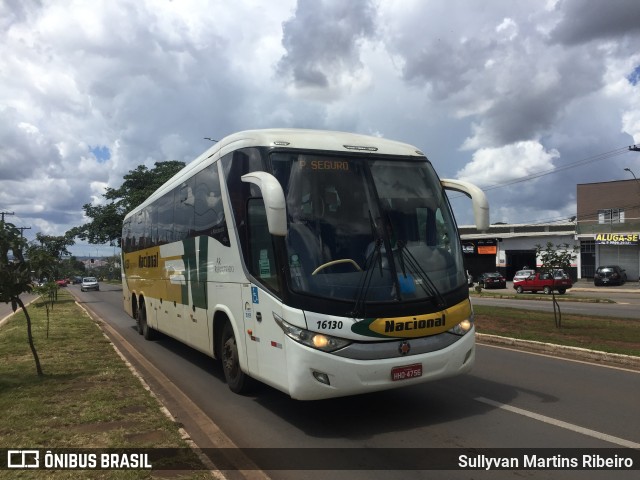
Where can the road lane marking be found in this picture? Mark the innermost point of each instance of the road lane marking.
(559, 423)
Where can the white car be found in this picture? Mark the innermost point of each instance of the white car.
(522, 274)
(89, 283)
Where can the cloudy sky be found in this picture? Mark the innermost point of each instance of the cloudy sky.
(525, 98)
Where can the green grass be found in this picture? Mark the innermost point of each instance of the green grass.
(87, 397)
(613, 335)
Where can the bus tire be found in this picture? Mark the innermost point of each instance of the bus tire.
(238, 381)
(139, 319)
(147, 331)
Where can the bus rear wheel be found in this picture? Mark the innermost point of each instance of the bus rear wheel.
(237, 380)
(143, 327)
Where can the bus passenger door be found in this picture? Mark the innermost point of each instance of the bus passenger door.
(250, 333)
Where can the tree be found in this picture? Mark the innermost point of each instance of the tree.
(15, 276)
(106, 220)
(56, 246)
(48, 296)
(45, 255)
(552, 259)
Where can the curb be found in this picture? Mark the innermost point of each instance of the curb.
(576, 353)
(6, 319)
(103, 327)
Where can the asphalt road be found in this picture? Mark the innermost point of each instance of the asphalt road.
(5, 308)
(512, 399)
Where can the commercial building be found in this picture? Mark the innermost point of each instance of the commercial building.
(608, 226)
(606, 231)
(507, 248)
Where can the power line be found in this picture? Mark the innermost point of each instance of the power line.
(584, 161)
(577, 163)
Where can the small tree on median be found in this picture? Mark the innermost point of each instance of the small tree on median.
(44, 265)
(15, 277)
(552, 259)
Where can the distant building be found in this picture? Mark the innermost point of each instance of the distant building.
(608, 226)
(606, 230)
(90, 263)
(507, 248)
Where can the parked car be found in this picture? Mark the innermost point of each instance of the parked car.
(61, 283)
(522, 274)
(89, 283)
(492, 280)
(609, 275)
(543, 282)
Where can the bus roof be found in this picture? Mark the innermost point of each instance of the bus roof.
(289, 138)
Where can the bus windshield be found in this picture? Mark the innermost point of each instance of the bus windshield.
(374, 229)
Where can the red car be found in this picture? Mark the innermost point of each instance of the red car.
(543, 282)
(61, 283)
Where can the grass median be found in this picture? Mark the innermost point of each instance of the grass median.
(87, 398)
(612, 335)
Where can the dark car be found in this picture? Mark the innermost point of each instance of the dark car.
(609, 275)
(492, 280)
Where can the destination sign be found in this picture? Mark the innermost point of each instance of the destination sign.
(339, 165)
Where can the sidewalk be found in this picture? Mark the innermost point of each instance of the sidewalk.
(586, 285)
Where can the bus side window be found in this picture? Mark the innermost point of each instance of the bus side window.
(262, 261)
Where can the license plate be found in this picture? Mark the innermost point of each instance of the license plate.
(406, 372)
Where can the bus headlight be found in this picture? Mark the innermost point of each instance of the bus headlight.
(319, 341)
(463, 327)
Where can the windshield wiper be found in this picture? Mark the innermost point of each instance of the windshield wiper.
(427, 284)
(365, 280)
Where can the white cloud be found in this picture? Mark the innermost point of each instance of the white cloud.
(493, 166)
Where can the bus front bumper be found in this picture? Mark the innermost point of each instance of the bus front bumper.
(315, 375)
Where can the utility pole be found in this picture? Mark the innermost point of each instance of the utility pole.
(2, 214)
(22, 229)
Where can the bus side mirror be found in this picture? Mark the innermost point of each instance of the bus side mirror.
(479, 199)
(274, 201)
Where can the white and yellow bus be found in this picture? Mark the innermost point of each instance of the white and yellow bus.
(321, 263)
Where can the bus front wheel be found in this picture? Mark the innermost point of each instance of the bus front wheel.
(238, 381)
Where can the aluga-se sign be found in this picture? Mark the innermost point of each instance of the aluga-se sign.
(618, 239)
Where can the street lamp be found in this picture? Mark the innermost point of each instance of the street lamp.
(631, 172)
(634, 176)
